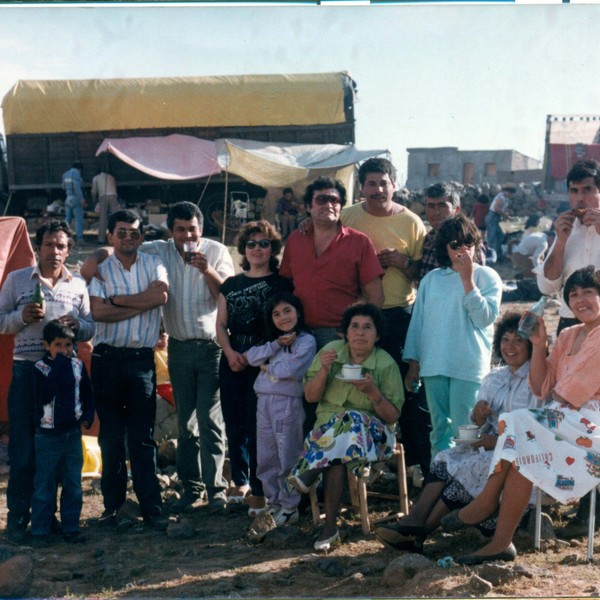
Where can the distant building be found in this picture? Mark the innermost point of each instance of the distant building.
(569, 138)
(469, 167)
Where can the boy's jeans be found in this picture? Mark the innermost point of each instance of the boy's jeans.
(59, 457)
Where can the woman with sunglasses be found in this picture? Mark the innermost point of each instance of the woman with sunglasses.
(240, 325)
(449, 340)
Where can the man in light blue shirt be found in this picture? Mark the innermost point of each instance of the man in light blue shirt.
(74, 203)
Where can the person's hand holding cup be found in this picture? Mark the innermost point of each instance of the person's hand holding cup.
(190, 249)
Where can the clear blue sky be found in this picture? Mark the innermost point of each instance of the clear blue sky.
(476, 77)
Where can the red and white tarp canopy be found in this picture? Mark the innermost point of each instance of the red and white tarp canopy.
(175, 157)
(267, 164)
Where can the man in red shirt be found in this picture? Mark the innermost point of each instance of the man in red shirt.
(331, 265)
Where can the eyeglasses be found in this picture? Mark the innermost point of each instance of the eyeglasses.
(251, 244)
(134, 234)
(456, 244)
(323, 199)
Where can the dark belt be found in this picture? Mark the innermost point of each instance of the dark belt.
(245, 340)
(113, 351)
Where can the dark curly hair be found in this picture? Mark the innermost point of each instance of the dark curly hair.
(459, 228)
(588, 277)
(324, 183)
(508, 322)
(269, 231)
(53, 227)
(283, 298)
(363, 309)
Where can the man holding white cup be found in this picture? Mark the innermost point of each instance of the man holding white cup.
(190, 321)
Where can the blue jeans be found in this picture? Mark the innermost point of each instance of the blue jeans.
(59, 457)
(21, 445)
(124, 381)
(194, 372)
(77, 212)
(239, 404)
(495, 235)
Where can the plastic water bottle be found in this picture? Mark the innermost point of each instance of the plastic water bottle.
(530, 322)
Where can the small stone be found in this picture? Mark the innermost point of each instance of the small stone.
(331, 567)
(479, 586)
(496, 574)
(16, 575)
(404, 567)
(570, 559)
(180, 531)
(260, 527)
(357, 577)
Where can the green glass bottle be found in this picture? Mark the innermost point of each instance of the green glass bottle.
(38, 295)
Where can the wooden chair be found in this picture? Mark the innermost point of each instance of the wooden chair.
(359, 494)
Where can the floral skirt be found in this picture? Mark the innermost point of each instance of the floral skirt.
(556, 447)
(352, 438)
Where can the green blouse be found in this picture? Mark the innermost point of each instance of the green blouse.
(340, 395)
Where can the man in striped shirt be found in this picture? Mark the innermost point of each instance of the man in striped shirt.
(190, 320)
(126, 305)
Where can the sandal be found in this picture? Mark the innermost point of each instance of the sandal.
(237, 494)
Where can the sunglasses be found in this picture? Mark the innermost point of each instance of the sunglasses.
(134, 234)
(251, 244)
(323, 199)
(456, 244)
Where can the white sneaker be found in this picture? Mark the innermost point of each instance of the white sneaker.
(284, 517)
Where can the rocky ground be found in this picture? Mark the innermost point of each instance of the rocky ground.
(228, 555)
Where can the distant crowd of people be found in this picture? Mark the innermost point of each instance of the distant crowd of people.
(370, 331)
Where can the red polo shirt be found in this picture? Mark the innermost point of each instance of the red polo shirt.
(328, 284)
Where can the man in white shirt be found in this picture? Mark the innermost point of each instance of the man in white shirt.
(577, 241)
(104, 192)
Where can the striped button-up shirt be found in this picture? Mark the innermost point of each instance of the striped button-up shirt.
(141, 331)
(191, 311)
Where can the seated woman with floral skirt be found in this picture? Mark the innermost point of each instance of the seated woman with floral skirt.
(355, 418)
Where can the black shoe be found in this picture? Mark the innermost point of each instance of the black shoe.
(74, 537)
(16, 530)
(473, 559)
(185, 502)
(157, 522)
(40, 541)
(108, 518)
(452, 522)
(393, 539)
(216, 505)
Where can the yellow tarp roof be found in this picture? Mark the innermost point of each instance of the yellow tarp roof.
(120, 104)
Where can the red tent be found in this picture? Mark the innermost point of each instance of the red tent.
(15, 253)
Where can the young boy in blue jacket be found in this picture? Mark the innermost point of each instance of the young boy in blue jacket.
(63, 402)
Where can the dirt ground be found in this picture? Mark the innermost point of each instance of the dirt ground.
(204, 555)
